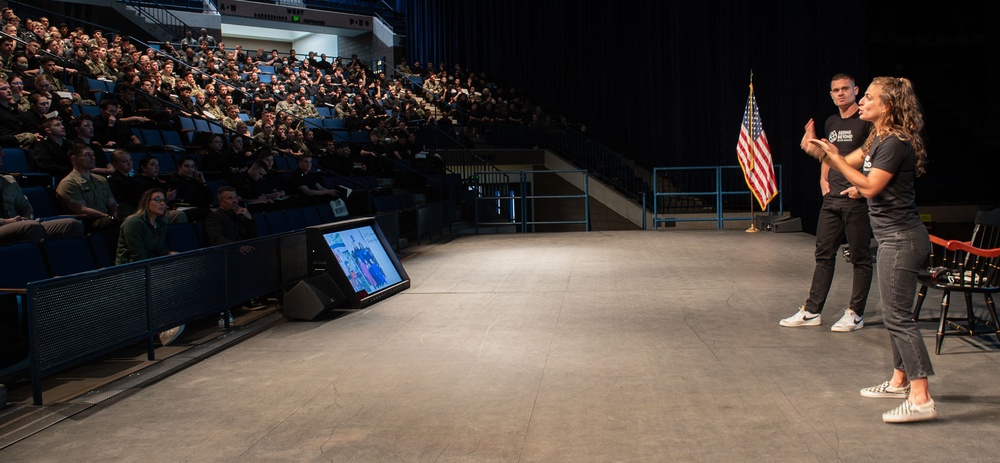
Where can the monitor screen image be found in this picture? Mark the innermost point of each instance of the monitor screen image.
(363, 260)
(358, 257)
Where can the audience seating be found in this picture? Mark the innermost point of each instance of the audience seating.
(16, 161)
(31, 266)
(68, 255)
(94, 111)
(312, 216)
(296, 218)
(183, 237)
(151, 137)
(260, 224)
(277, 222)
(43, 201)
(104, 245)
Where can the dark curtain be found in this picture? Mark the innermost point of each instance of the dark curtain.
(665, 83)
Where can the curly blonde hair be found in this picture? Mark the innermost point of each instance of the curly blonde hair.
(903, 116)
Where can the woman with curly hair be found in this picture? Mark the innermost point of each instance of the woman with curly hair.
(890, 160)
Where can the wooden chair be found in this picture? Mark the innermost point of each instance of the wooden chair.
(966, 267)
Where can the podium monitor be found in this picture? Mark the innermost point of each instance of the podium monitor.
(357, 256)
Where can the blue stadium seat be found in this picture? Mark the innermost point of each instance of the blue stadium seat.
(183, 237)
(172, 138)
(151, 137)
(42, 200)
(261, 225)
(360, 137)
(68, 255)
(30, 264)
(296, 218)
(285, 163)
(104, 245)
(277, 222)
(201, 125)
(314, 122)
(311, 214)
(94, 111)
(167, 163)
(326, 213)
(16, 160)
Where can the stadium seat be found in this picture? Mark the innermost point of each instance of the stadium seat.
(167, 163)
(104, 245)
(260, 223)
(296, 218)
(182, 237)
(277, 222)
(151, 137)
(311, 214)
(68, 255)
(172, 138)
(43, 201)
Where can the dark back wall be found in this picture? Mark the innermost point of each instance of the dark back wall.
(666, 83)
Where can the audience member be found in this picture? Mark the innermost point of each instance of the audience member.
(87, 195)
(143, 235)
(307, 183)
(51, 155)
(111, 132)
(18, 216)
(192, 189)
(230, 222)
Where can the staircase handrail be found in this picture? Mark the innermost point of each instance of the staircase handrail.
(173, 25)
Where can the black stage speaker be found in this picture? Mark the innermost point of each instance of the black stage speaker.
(313, 297)
(765, 222)
(791, 224)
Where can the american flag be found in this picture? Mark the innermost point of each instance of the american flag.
(755, 157)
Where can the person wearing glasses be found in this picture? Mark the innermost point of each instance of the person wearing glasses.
(143, 235)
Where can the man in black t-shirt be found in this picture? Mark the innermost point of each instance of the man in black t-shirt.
(840, 215)
(307, 185)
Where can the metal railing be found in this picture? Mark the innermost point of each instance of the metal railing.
(704, 194)
(160, 16)
(79, 317)
(500, 203)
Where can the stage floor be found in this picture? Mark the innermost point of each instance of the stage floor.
(562, 347)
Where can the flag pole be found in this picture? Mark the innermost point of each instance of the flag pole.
(753, 226)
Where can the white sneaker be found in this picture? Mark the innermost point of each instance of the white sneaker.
(849, 322)
(885, 391)
(908, 412)
(171, 335)
(802, 318)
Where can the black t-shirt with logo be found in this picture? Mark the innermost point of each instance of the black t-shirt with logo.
(895, 208)
(847, 135)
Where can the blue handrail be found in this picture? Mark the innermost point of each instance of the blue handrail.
(694, 197)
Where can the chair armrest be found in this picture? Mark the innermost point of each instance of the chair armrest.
(21, 291)
(965, 246)
(939, 241)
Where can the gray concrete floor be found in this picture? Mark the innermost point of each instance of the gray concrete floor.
(566, 347)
